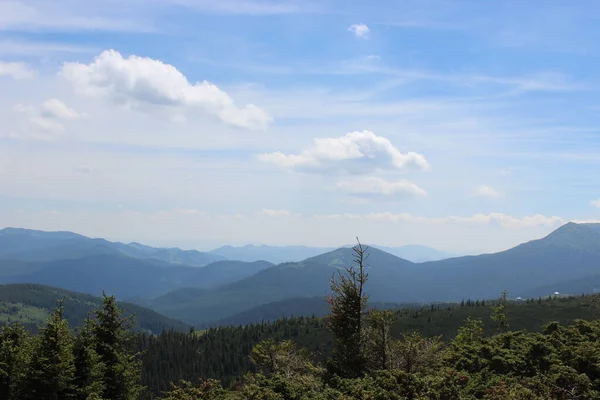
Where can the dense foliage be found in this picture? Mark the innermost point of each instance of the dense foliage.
(58, 364)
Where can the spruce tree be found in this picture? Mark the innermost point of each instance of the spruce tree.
(379, 339)
(499, 315)
(52, 369)
(122, 376)
(89, 369)
(15, 351)
(346, 305)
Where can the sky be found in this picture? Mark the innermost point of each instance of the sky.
(468, 126)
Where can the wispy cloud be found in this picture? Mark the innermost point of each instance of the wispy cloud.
(251, 7)
(16, 70)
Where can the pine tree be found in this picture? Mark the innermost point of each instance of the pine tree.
(121, 379)
(15, 346)
(346, 306)
(379, 338)
(89, 369)
(499, 312)
(52, 369)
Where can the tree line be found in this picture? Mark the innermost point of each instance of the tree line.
(353, 355)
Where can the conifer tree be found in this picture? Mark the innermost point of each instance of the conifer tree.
(346, 305)
(379, 340)
(121, 378)
(499, 315)
(52, 369)
(15, 352)
(89, 369)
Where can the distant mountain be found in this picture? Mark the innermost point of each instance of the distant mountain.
(280, 254)
(416, 253)
(124, 276)
(309, 278)
(32, 304)
(570, 252)
(274, 254)
(36, 246)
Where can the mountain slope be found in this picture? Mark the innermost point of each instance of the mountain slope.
(284, 281)
(274, 254)
(416, 253)
(39, 246)
(123, 276)
(280, 254)
(32, 304)
(289, 280)
(570, 252)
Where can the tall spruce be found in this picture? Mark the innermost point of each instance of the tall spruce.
(122, 368)
(89, 369)
(379, 341)
(347, 304)
(14, 358)
(499, 314)
(52, 369)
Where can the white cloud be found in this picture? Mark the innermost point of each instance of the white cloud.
(16, 70)
(274, 213)
(138, 81)
(47, 124)
(595, 203)
(56, 109)
(359, 30)
(356, 152)
(379, 186)
(487, 191)
(505, 221)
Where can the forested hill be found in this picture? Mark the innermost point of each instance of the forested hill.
(32, 304)
(223, 352)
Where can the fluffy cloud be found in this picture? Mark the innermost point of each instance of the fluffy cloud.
(56, 109)
(356, 152)
(595, 203)
(380, 187)
(505, 221)
(360, 30)
(487, 191)
(16, 70)
(137, 81)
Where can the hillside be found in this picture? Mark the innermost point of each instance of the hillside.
(32, 304)
(222, 361)
(124, 276)
(199, 306)
(295, 307)
(40, 246)
(570, 252)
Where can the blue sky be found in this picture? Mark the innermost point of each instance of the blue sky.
(469, 126)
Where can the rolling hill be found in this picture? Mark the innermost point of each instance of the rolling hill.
(32, 305)
(124, 276)
(570, 252)
(39, 246)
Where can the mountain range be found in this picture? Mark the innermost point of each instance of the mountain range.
(568, 259)
(281, 254)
